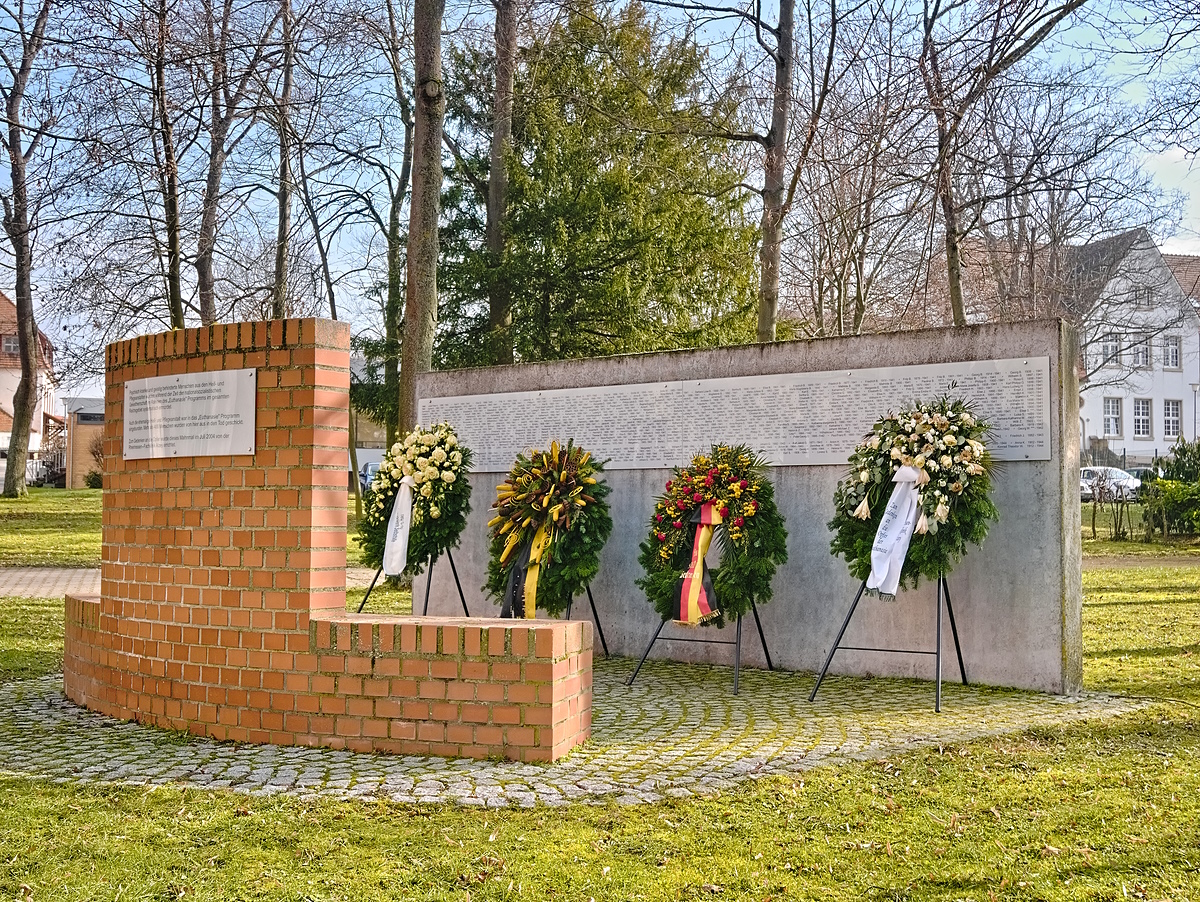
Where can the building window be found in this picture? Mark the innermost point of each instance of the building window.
(1141, 418)
(1172, 414)
(1141, 354)
(1171, 352)
(12, 344)
(1143, 297)
(1110, 348)
(1112, 417)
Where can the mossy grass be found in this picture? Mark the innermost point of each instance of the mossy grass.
(31, 637)
(51, 528)
(1105, 809)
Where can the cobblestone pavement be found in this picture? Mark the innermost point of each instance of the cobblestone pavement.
(678, 732)
(49, 582)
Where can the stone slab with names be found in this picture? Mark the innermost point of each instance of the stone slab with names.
(190, 415)
(796, 419)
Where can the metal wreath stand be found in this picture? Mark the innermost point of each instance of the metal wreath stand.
(943, 589)
(428, 583)
(516, 589)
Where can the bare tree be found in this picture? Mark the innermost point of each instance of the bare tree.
(966, 45)
(25, 41)
(283, 124)
(420, 314)
(232, 45)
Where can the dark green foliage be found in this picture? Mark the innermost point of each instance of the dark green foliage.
(371, 393)
(1171, 506)
(1183, 464)
(94, 479)
(624, 232)
(752, 537)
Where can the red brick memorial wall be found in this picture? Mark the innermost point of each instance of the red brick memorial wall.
(222, 605)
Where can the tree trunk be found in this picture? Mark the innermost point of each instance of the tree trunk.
(170, 184)
(16, 224)
(283, 225)
(499, 296)
(205, 274)
(773, 177)
(420, 315)
(393, 318)
(16, 227)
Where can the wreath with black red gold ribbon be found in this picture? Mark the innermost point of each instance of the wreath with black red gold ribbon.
(550, 526)
(724, 494)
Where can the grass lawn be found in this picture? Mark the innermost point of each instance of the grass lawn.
(1101, 810)
(1104, 810)
(51, 528)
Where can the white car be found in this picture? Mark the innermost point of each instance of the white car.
(1109, 482)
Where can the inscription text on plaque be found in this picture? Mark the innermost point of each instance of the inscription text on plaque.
(797, 419)
(190, 415)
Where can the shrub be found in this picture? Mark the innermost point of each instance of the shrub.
(1171, 506)
(94, 480)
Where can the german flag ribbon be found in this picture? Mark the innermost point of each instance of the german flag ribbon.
(541, 539)
(696, 601)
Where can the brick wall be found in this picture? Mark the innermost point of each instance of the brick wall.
(79, 451)
(222, 606)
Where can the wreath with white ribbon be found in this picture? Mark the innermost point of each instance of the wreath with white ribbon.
(551, 523)
(723, 494)
(918, 491)
(418, 502)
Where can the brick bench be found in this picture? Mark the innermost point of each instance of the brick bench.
(369, 683)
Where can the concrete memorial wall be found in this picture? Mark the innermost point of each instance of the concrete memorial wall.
(1017, 599)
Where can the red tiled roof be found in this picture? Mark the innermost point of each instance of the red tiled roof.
(1186, 268)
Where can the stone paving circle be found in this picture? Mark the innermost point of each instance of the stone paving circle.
(677, 732)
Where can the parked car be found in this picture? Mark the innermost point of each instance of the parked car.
(366, 473)
(1085, 491)
(1144, 474)
(1107, 482)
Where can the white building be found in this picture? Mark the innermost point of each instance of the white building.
(1140, 343)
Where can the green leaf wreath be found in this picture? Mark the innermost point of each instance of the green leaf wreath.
(439, 465)
(752, 536)
(946, 442)
(558, 490)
